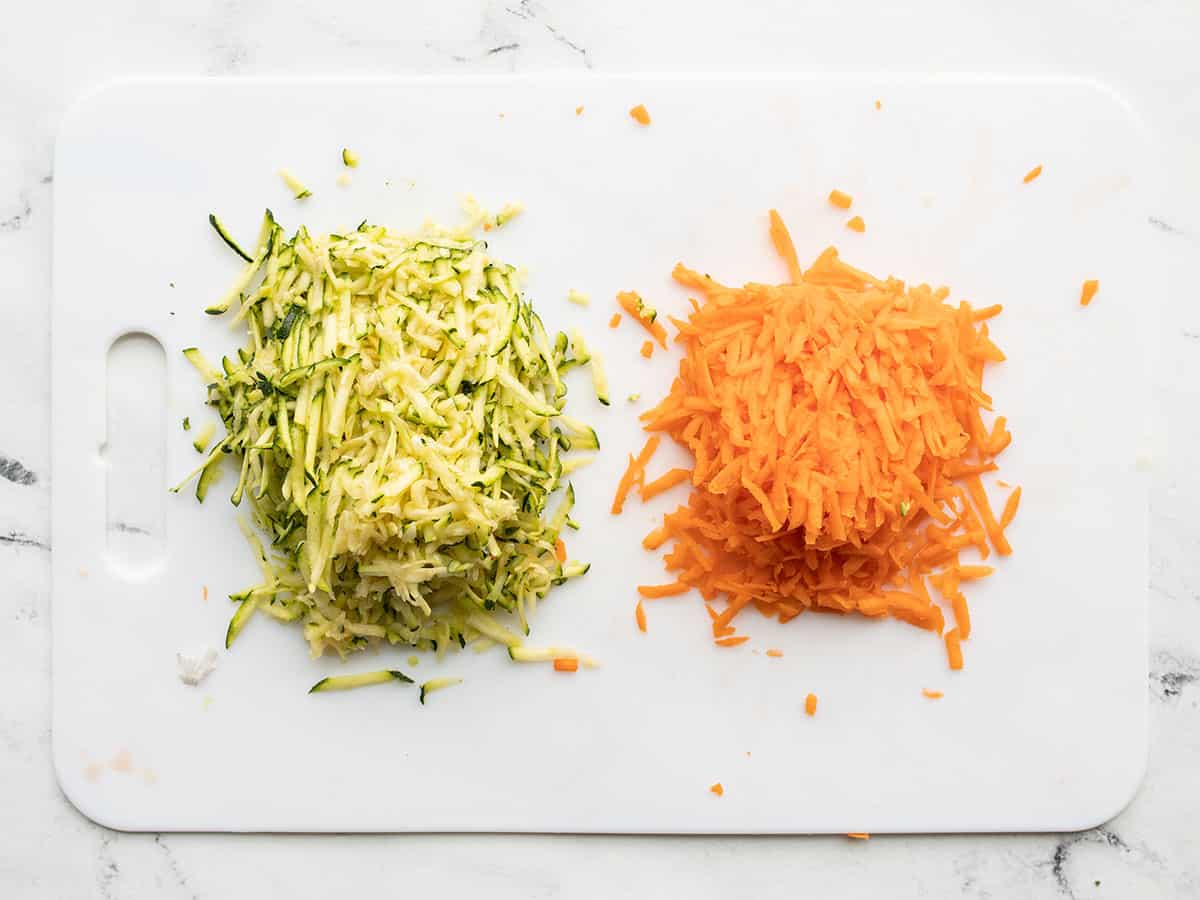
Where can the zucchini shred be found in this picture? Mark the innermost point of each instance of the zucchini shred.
(398, 415)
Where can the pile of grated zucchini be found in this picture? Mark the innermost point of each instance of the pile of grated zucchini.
(397, 413)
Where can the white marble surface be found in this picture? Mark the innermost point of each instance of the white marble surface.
(51, 52)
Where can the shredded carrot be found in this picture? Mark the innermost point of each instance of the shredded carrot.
(717, 789)
(932, 695)
(615, 320)
(732, 641)
(810, 705)
(840, 199)
(857, 224)
(1010, 508)
(665, 483)
(954, 649)
(1032, 174)
(204, 592)
(560, 550)
(655, 591)
(579, 110)
(859, 835)
(837, 434)
(639, 615)
(635, 474)
(774, 653)
(1089, 291)
(648, 349)
(639, 115)
(878, 105)
(566, 664)
(630, 302)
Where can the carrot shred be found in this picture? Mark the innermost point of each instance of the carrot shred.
(836, 427)
(840, 199)
(648, 349)
(566, 664)
(857, 224)
(932, 695)
(878, 104)
(717, 789)
(639, 115)
(954, 649)
(656, 591)
(731, 641)
(775, 654)
(579, 110)
(664, 483)
(859, 835)
(615, 320)
(634, 474)
(1010, 507)
(1089, 291)
(639, 615)
(810, 705)
(1032, 174)
(629, 301)
(204, 592)
(560, 550)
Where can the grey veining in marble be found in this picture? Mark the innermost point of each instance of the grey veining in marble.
(1147, 53)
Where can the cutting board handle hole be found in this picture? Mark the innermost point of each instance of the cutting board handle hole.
(134, 454)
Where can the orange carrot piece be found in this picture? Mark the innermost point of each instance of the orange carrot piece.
(656, 538)
(1010, 507)
(1032, 174)
(954, 649)
(566, 664)
(639, 115)
(810, 705)
(648, 349)
(1089, 291)
(579, 110)
(615, 320)
(723, 631)
(634, 474)
(962, 615)
(840, 199)
(857, 224)
(784, 247)
(717, 789)
(859, 835)
(712, 613)
(731, 641)
(994, 531)
(932, 695)
(639, 615)
(560, 550)
(204, 592)
(878, 105)
(775, 654)
(657, 591)
(628, 301)
(665, 483)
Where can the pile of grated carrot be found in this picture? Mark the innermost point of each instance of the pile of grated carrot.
(836, 425)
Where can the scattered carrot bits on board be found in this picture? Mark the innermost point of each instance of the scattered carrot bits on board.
(857, 224)
(774, 653)
(639, 616)
(639, 115)
(664, 483)
(840, 199)
(560, 550)
(932, 695)
(1032, 174)
(647, 316)
(648, 349)
(1089, 291)
(858, 835)
(615, 320)
(718, 789)
(579, 110)
(731, 641)
(954, 649)
(837, 432)
(566, 664)
(878, 105)
(810, 705)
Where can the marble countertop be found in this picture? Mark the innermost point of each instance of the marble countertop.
(51, 52)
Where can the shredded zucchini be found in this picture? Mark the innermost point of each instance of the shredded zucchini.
(437, 684)
(578, 298)
(396, 415)
(295, 185)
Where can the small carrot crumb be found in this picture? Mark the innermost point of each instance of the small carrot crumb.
(1032, 174)
(954, 649)
(774, 653)
(639, 615)
(932, 695)
(857, 224)
(648, 349)
(840, 199)
(810, 705)
(579, 110)
(1089, 291)
(639, 115)
(878, 105)
(615, 320)
(560, 550)
(731, 641)
(859, 835)
(566, 664)
(718, 789)
(204, 592)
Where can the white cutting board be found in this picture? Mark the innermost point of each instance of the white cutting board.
(1045, 727)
